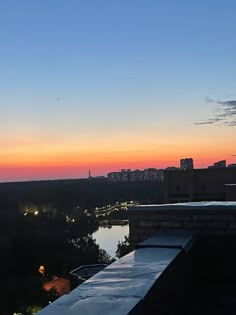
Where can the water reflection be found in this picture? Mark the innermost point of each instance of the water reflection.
(107, 238)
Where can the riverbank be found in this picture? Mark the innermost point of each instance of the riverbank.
(109, 223)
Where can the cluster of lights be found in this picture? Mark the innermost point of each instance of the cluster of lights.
(35, 213)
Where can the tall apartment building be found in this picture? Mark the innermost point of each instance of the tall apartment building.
(186, 164)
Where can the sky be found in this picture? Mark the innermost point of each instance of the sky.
(102, 85)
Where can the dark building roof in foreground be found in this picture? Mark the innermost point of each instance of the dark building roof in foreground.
(119, 288)
(187, 206)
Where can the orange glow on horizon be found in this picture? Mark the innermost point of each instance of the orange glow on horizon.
(75, 169)
(72, 159)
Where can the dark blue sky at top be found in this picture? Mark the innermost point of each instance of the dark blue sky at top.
(71, 68)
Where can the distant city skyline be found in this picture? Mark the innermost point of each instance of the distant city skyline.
(148, 176)
(109, 85)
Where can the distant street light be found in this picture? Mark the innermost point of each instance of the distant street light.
(42, 270)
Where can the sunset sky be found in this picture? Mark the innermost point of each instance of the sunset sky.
(105, 85)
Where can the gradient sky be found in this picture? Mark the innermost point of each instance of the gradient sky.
(108, 84)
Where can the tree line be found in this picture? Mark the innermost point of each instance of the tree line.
(36, 228)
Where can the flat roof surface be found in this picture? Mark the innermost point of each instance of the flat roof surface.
(121, 286)
(177, 239)
(87, 270)
(202, 206)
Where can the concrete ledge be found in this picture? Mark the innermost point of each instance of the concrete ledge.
(203, 207)
(178, 239)
(126, 287)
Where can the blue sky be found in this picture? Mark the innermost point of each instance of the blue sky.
(89, 71)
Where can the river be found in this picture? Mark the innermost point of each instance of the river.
(108, 238)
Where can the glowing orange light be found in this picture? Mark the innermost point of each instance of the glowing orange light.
(42, 270)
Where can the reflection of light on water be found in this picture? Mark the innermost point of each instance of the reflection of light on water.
(108, 238)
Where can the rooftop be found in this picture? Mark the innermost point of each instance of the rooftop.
(209, 206)
(121, 287)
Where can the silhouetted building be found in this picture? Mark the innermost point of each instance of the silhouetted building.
(153, 174)
(186, 164)
(124, 175)
(172, 168)
(113, 176)
(219, 164)
(137, 175)
(198, 184)
(230, 192)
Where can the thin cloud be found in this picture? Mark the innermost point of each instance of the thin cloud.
(208, 122)
(203, 123)
(224, 113)
(230, 104)
(208, 100)
(231, 123)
